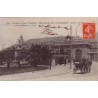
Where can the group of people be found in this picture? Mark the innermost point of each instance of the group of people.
(64, 60)
(61, 61)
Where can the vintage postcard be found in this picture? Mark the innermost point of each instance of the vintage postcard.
(49, 48)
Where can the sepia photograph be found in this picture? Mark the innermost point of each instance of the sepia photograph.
(49, 49)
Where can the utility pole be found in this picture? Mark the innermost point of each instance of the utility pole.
(70, 46)
(77, 29)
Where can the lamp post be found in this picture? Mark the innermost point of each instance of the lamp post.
(70, 46)
(70, 42)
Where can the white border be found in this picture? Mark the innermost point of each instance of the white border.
(48, 8)
(48, 89)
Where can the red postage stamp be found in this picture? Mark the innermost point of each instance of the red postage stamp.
(89, 30)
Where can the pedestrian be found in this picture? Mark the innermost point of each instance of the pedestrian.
(84, 63)
(50, 63)
(53, 62)
(64, 61)
(18, 62)
(89, 65)
(8, 64)
(69, 61)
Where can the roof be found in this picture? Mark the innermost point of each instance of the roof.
(75, 41)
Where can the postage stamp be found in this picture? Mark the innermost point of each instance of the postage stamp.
(89, 30)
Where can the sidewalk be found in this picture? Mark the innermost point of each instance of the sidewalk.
(55, 71)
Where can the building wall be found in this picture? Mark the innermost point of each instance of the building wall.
(57, 51)
(94, 51)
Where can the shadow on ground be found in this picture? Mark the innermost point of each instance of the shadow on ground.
(15, 70)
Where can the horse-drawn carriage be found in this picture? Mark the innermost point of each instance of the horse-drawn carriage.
(82, 66)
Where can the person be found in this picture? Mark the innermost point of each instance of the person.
(89, 65)
(8, 64)
(61, 60)
(65, 61)
(31, 61)
(50, 63)
(53, 61)
(69, 61)
(84, 63)
(18, 62)
(84, 60)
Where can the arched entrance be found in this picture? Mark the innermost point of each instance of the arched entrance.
(78, 54)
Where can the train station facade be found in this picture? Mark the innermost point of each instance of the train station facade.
(76, 50)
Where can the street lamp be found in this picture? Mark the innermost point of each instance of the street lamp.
(69, 37)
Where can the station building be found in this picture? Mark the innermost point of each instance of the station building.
(77, 49)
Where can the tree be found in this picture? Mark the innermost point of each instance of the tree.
(37, 52)
(7, 56)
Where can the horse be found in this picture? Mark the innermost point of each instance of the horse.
(87, 67)
(83, 65)
(78, 66)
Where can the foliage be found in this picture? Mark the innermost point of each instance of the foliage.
(7, 54)
(38, 52)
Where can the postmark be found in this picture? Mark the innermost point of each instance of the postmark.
(89, 30)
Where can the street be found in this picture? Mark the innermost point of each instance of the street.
(57, 73)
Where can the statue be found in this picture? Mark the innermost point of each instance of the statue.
(21, 40)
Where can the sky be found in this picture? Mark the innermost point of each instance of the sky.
(31, 28)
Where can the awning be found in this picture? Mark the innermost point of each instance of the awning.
(92, 52)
